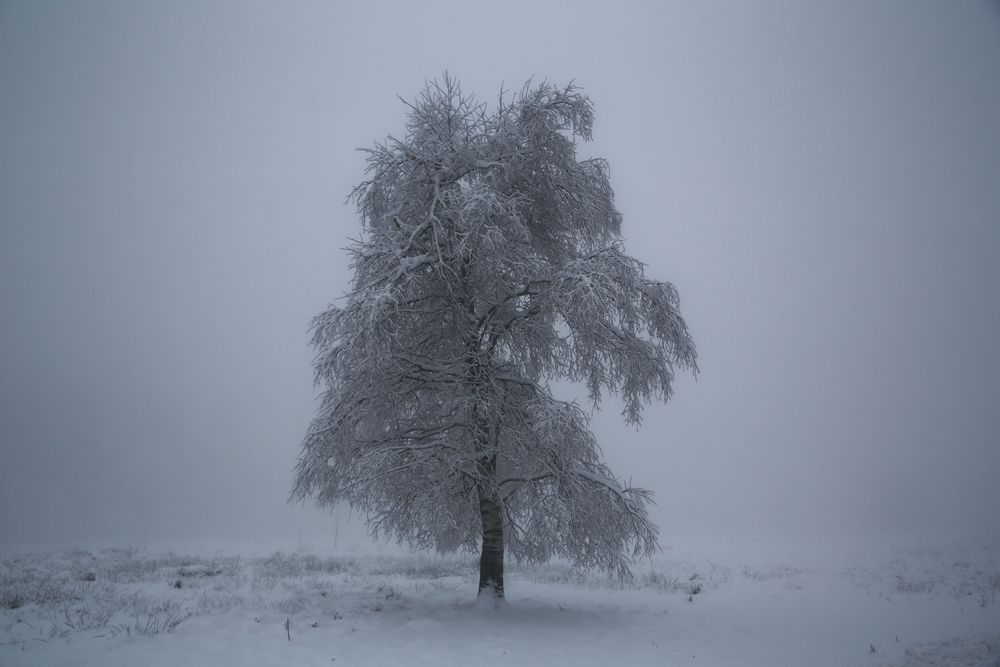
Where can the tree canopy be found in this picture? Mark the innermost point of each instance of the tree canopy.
(490, 263)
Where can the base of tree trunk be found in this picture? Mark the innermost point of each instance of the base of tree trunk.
(490, 586)
(488, 601)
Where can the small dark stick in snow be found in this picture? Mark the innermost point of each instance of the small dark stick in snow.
(288, 626)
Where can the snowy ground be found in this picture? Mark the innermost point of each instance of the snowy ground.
(756, 604)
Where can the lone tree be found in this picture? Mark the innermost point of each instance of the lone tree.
(489, 265)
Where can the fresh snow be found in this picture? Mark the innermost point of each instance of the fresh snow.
(699, 603)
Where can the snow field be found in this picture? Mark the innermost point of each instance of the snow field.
(776, 606)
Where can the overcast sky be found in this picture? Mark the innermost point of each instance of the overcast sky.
(821, 181)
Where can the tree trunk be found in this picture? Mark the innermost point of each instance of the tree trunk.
(491, 560)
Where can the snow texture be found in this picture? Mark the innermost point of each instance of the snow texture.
(756, 604)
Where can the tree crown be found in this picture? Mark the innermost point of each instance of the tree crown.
(490, 264)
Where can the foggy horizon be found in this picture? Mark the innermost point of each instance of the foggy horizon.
(821, 182)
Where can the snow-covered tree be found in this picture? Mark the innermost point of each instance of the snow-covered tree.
(490, 264)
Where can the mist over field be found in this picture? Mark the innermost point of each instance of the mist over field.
(819, 181)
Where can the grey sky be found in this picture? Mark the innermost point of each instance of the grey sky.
(820, 180)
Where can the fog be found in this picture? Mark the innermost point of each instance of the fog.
(821, 181)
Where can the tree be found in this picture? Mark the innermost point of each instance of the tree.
(489, 265)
